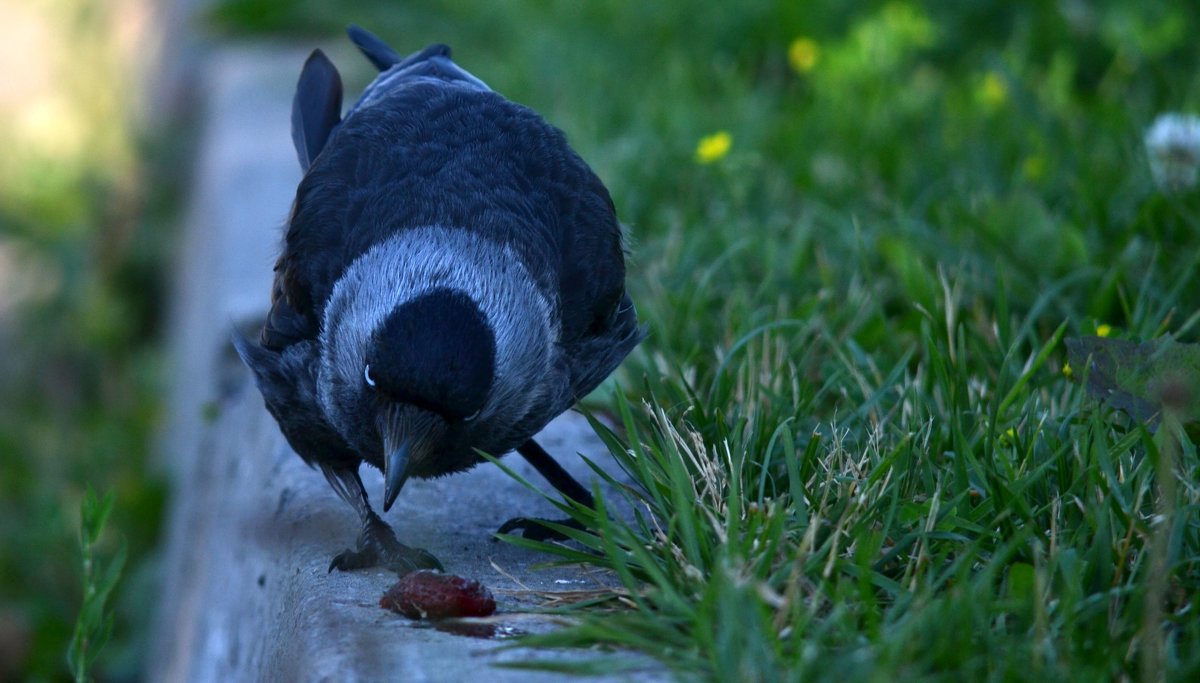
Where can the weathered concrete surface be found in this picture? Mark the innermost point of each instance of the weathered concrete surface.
(252, 529)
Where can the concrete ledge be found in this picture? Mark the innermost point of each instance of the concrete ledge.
(251, 528)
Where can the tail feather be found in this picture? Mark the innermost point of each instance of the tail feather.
(382, 56)
(430, 64)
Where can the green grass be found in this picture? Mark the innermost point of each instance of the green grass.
(93, 626)
(920, 541)
(854, 453)
(853, 449)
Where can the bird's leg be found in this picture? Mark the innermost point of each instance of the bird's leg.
(560, 479)
(377, 544)
(378, 547)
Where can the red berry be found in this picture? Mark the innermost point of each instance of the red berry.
(427, 594)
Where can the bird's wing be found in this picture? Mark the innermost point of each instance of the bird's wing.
(599, 324)
(430, 144)
(316, 113)
(287, 380)
(390, 142)
(316, 107)
(315, 249)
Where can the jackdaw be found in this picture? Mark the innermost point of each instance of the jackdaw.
(451, 279)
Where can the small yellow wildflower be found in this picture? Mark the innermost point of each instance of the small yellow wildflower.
(1103, 330)
(1067, 372)
(1008, 437)
(993, 90)
(803, 54)
(713, 147)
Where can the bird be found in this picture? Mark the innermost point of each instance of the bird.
(451, 278)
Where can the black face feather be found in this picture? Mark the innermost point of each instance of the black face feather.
(435, 352)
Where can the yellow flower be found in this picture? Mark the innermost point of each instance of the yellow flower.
(993, 90)
(803, 54)
(1103, 330)
(1067, 372)
(713, 147)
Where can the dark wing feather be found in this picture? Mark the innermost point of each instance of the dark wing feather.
(288, 382)
(599, 322)
(316, 107)
(285, 325)
(593, 357)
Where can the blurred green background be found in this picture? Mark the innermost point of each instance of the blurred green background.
(760, 151)
(83, 245)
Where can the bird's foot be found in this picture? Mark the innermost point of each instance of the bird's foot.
(534, 529)
(378, 547)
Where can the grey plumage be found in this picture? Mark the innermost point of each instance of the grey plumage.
(452, 278)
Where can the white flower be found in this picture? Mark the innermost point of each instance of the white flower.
(1173, 142)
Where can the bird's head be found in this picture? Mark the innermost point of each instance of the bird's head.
(422, 375)
(429, 367)
(435, 344)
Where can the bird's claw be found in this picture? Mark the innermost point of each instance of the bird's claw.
(378, 547)
(411, 559)
(349, 560)
(402, 559)
(534, 528)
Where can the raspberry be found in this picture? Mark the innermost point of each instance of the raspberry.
(427, 594)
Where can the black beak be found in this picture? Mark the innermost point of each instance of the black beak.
(395, 472)
(410, 436)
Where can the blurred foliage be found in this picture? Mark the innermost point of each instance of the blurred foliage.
(82, 239)
(94, 624)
